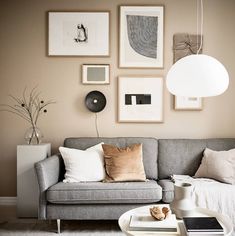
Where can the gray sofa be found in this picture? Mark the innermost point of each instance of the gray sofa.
(97, 200)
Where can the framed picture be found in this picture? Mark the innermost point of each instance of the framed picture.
(187, 103)
(184, 45)
(140, 99)
(78, 34)
(141, 36)
(95, 74)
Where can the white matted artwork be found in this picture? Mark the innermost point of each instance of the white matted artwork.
(78, 34)
(141, 36)
(187, 103)
(140, 99)
(95, 74)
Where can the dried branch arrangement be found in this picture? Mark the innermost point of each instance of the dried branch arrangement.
(29, 107)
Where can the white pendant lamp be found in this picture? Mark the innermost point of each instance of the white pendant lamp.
(197, 75)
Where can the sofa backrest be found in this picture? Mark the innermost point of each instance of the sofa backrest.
(183, 156)
(150, 149)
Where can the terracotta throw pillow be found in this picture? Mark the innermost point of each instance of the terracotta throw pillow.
(218, 165)
(123, 164)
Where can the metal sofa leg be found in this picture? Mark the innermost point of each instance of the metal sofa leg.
(58, 226)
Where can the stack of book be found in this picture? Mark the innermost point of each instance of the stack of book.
(198, 226)
(146, 224)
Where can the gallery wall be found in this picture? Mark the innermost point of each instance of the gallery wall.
(24, 62)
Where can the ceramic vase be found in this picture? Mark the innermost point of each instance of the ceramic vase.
(183, 204)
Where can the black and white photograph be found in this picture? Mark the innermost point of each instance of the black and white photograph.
(78, 34)
(141, 36)
(140, 99)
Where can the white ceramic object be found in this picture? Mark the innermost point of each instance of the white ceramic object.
(182, 205)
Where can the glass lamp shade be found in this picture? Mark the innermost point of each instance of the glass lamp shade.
(197, 76)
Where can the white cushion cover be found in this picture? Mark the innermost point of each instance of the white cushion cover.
(83, 166)
(218, 165)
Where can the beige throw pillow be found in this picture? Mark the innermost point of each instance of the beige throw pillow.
(123, 164)
(218, 165)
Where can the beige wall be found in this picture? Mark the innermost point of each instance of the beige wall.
(23, 62)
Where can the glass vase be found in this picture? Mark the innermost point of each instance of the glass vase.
(33, 135)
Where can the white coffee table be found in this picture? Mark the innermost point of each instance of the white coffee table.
(124, 219)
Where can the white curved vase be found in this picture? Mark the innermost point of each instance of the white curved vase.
(182, 205)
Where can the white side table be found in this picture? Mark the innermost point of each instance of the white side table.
(27, 184)
(124, 220)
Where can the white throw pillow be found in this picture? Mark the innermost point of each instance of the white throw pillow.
(218, 165)
(83, 166)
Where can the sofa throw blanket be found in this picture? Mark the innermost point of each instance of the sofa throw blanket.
(212, 194)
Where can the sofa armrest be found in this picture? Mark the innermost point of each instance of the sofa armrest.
(48, 173)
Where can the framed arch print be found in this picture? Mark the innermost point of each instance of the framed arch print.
(141, 36)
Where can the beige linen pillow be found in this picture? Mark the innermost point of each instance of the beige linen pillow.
(218, 165)
(123, 164)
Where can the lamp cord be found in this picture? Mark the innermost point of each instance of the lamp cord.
(197, 22)
(201, 24)
(96, 125)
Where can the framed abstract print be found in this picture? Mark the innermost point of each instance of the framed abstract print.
(141, 36)
(140, 99)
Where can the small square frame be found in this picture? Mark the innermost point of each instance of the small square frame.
(95, 73)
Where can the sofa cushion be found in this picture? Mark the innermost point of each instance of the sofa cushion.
(149, 145)
(108, 193)
(123, 164)
(218, 165)
(167, 190)
(83, 165)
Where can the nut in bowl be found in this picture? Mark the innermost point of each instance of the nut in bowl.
(160, 213)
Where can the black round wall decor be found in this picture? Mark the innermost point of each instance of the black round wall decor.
(95, 101)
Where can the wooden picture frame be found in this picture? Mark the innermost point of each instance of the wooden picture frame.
(78, 33)
(184, 45)
(188, 103)
(141, 33)
(95, 73)
(140, 99)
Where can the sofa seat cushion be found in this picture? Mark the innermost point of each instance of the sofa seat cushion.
(167, 190)
(104, 193)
